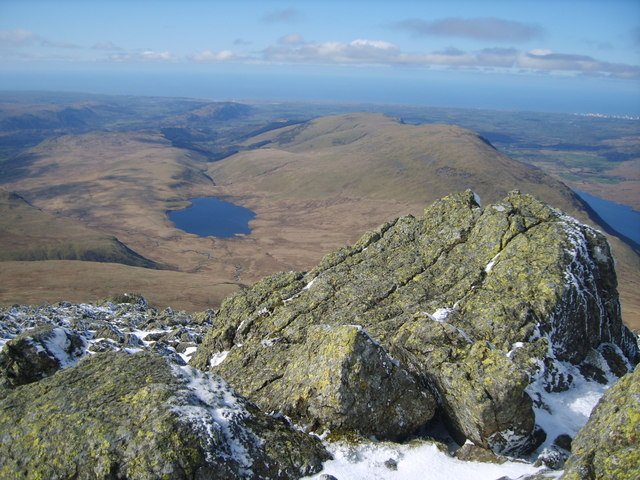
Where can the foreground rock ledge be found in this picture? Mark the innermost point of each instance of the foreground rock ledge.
(484, 309)
(141, 416)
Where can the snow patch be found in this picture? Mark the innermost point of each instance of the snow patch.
(418, 460)
(188, 353)
(476, 197)
(568, 411)
(217, 358)
(514, 347)
(59, 344)
(441, 315)
(310, 284)
(490, 265)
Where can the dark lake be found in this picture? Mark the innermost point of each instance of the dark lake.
(621, 218)
(210, 217)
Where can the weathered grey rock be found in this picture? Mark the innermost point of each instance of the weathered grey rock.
(338, 378)
(39, 353)
(608, 446)
(117, 415)
(480, 305)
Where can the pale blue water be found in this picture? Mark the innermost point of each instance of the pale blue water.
(399, 86)
(621, 218)
(211, 217)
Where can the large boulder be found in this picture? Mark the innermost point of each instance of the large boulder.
(335, 377)
(140, 416)
(39, 353)
(608, 446)
(484, 307)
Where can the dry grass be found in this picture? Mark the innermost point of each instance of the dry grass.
(313, 189)
(76, 281)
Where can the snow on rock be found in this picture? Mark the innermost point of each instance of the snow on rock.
(59, 345)
(216, 411)
(417, 460)
(109, 326)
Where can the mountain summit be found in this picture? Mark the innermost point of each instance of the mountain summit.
(486, 310)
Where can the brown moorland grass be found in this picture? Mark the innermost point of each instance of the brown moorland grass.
(27, 233)
(314, 187)
(77, 281)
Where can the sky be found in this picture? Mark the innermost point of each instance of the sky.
(505, 54)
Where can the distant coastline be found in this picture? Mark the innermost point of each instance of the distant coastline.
(420, 88)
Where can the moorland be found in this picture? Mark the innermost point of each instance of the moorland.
(87, 181)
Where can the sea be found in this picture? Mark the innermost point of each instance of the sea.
(355, 85)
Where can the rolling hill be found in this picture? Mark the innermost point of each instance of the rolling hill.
(313, 186)
(348, 173)
(378, 157)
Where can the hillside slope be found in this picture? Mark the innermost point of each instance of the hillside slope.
(379, 157)
(27, 233)
(342, 174)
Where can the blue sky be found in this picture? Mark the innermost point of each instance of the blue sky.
(588, 44)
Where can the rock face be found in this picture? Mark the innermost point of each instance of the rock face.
(478, 307)
(608, 446)
(141, 416)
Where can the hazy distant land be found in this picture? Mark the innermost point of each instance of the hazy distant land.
(102, 171)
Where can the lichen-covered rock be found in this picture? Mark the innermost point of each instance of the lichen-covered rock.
(336, 378)
(38, 353)
(608, 446)
(110, 327)
(480, 305)
(140, 416)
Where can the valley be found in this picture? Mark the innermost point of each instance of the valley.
(97, 173)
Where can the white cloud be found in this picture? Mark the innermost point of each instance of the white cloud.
(144, 56)
(378, 52)
(108, 46)
(373, 44)
(209, 56)
(17, 38)
(291, 39)
(157, 56)
(539, 59)
(358, 51)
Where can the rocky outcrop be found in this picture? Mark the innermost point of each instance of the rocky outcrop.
(39, 353)
(480, 307)
(338, 378)
(121, 322)
(608, 446)
(141, 416)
